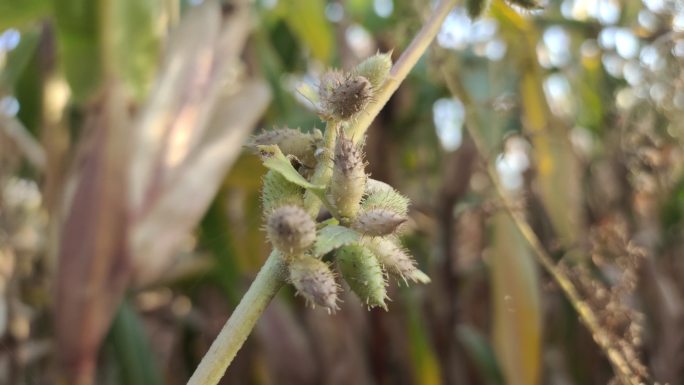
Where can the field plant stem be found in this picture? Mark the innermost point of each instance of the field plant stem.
(400, 70)
(587, 316)
(270, 279)
(272, 274)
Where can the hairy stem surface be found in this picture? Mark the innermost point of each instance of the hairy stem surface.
(270, 279)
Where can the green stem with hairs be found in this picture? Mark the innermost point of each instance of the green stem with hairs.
(270, 279)
(400, 70)
(272, 275)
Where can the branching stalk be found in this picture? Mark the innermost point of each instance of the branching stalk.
(586, 313)
(272, 274)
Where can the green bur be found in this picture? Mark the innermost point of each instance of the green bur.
(278, 191)
(361, 270)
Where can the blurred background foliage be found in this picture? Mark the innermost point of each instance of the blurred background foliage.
(130, 218)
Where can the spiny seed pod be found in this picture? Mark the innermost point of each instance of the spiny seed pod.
(361, 271)
(529, 5)
(290, 229)
(278, 191)
(375, 68)
(377, 222)
(386, 198)
(476, 8)
(395, 259)
(314, 281)
(342, 95)
(291, 142)
(349, 177)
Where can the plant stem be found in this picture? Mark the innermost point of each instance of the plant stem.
(240, 324)
(401, 69)
(619, 362)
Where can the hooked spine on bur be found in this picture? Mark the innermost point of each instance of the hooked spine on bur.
(329, 169)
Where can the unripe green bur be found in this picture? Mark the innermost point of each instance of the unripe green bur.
(291, 230)
(377, 222)
(363, 273)
(314, 281)
(375, 68)
(388, 199)
(476, 8)
(278, 191)
(291, 142)
(343, 96)
(374, 185)
(348, 178)
(395, 259)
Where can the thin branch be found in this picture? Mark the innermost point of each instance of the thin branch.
(619, 362)
(401, 69)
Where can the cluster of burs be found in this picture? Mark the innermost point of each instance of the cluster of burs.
(311, 170)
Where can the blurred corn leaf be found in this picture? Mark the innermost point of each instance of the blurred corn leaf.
(93, 260)
(184, 144)
(78, 38)
(306, 18)
(18, 59)
(15, 13)
(425, 363)
(480, 351)
(557, 168)
(516, 304)
(185, 199)
(134, 358)
(138, 33)
(218, 240)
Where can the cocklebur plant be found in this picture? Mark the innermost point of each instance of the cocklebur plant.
(302, 173)
(361, 236)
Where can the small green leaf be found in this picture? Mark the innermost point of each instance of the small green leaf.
(310, 93)
(331, 237)
(275, 160)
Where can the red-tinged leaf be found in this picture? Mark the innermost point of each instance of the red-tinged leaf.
(189, 134)
(184, 199)
(93, 260)
(179, 105)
